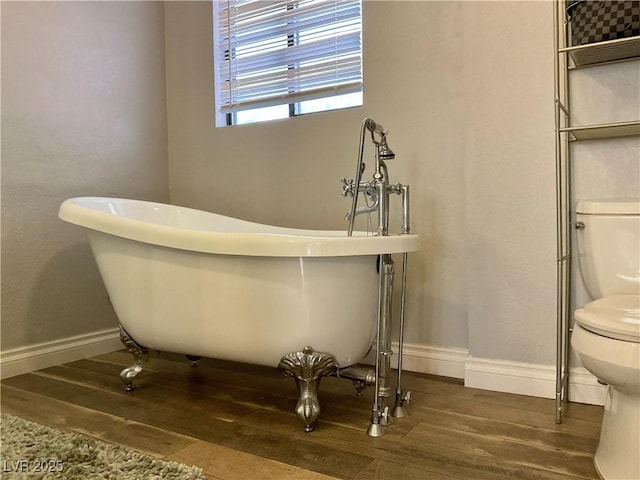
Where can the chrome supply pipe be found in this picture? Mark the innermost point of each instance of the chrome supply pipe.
(380, 413)
(384, 348)
(376, 429)
(401, 396)
(365, 375)
(360, 377)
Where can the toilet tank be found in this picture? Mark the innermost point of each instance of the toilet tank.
(609, 247)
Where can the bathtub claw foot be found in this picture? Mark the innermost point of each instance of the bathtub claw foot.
(141, 356)
(307, 368)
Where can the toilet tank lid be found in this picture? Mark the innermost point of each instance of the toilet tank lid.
(609, 207)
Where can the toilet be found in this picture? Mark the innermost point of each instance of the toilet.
(606, 333)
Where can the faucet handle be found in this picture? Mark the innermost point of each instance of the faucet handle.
(348, 186)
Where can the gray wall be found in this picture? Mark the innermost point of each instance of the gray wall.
(83, 113)
(508, 129)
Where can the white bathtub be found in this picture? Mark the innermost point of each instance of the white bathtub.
(187, 281)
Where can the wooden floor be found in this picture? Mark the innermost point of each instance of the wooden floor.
(237, 423)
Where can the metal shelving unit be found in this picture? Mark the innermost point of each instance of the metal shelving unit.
(568, 58)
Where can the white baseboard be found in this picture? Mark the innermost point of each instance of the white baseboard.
(446, 362)
(531, 379)
(497, 375)
(511, 377)
(43, 355)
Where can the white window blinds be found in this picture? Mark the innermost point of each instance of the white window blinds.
(277, 52)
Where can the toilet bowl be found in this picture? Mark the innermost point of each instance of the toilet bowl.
(606, 334)
(615, 362)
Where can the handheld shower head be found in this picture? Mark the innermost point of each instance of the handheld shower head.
(384, 152)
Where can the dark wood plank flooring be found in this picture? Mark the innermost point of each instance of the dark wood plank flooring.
(236, 422)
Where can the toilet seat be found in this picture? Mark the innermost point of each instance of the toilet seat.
(615, 316)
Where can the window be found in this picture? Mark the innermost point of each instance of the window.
(276, 59)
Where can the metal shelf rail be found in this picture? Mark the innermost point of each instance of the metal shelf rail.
(563, 196)
(568, 58)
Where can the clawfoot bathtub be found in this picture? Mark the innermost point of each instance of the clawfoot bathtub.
(197, 283)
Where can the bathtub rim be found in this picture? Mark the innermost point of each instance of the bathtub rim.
(279, 242)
